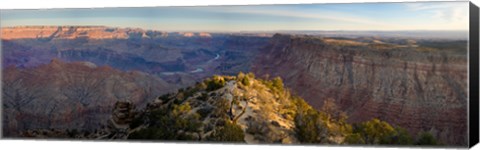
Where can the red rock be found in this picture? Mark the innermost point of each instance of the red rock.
(418, 91)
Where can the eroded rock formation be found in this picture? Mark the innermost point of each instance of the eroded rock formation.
(404, 85)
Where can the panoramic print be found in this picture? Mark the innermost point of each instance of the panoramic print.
(312, 74)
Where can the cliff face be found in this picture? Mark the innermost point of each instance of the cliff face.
(61, 32)
(90, 32)
(417, 88)
(70, 95)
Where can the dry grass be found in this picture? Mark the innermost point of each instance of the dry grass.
(344, 42)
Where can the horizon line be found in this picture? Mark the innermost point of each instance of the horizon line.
(232, 31)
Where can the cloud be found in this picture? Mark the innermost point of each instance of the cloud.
(447, 11)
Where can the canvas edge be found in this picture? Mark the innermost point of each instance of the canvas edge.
(473, 84)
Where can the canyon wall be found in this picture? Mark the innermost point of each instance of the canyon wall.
(77, 95)
(90, 32)
(419, 89)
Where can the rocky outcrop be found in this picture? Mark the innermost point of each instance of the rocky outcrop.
(404, 85)
(123, 113)
(261, 115)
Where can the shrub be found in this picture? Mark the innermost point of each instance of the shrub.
(189, 92)
(275, 85)
(230, 132)
(376, 131)
(278, 83)
(354, 138)
(181, 109)
(402, 137)
(426, 138)
(222, 106)
(165, 97)
(251, 75)
(136, 122)
(246, 81)
(309, 127)
(245, 78)
(72, 133)
(166, 123)
(216, 82)
(201, 86)
(204, 112)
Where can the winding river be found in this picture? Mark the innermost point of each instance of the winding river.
(198, 70)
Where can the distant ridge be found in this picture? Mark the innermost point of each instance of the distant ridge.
(18, 32)
(90, 32)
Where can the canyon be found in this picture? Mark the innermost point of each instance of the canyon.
(419, 84)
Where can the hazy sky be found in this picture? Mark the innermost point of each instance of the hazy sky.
(360, 16)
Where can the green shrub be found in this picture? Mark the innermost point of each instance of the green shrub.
(309, 127)
(246, 81)
(278, 83)
(426, 138)
(216, 82)
(275, 85)
(402, 137)
(204, 112)
(354, 138)
(376, 131)
(222, 107)
(230, 132)
(165, 124)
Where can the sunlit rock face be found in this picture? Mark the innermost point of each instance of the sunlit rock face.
(418, 88)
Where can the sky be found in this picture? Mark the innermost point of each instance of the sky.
(324, 17)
